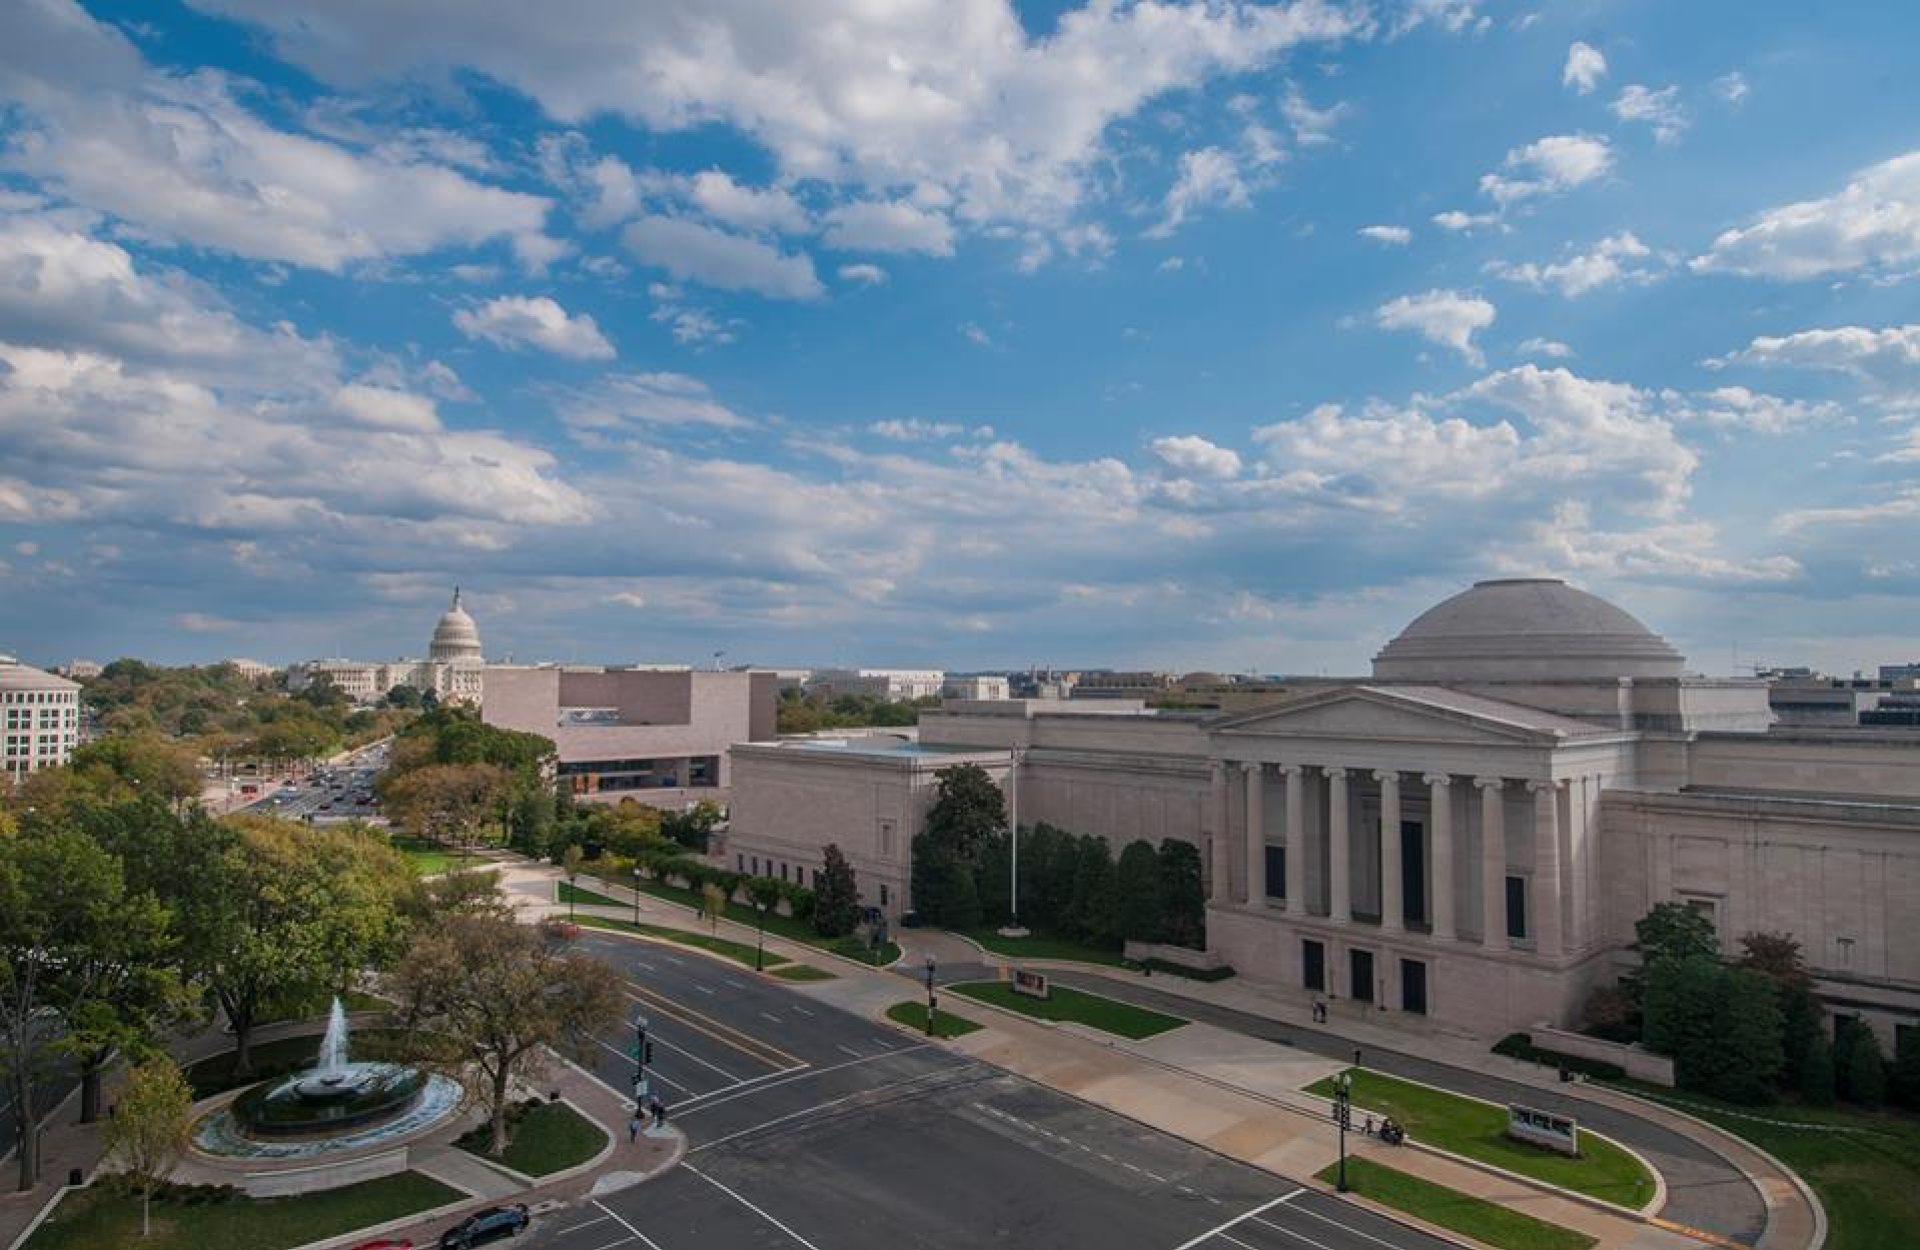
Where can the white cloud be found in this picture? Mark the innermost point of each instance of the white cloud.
(693, 252)
(1551, 348)
(1189, 453)
(747, 208)
(1311, 126)
(1584, 69)
(1208, 176)
(1737, 409)
(1732, 88)
(624, 402)
(1393, 236)
(1387, 459)
(889, 226)
(1444, 317)
(1887, 357)
(1659, 109)
(515, 321)
(1459, 223)
(1873, 223)
(914, 429)
(1548, 166)
(863, 274)
(628, 599)
(690, 324)
(1172, 264)
(1615, 260)
(181, 159)
(975, 334)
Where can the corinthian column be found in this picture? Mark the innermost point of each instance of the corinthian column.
(1256, 834)
(1493, 863)
(1339, 889)
(1217, 849)
(1546, 868)
(1296, 840)
(1392, 911)
(1440, 855)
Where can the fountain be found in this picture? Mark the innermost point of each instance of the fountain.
(336, 1105)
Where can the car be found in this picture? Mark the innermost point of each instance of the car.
(385, 1243)
(485, 1225)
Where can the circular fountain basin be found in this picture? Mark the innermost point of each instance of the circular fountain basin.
(380, 1116)
(347, 1097)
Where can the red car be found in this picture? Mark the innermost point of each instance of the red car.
(385, 1243)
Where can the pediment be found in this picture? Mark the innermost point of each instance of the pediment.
(1371, 714)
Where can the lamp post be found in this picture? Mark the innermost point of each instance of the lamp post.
(760, 937)
(1013, 929)
(933, 1002)
(642, 1053)
(636, 895)
(1343, 1115)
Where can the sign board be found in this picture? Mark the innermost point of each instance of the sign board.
(1543, 1128)
(1032, 984)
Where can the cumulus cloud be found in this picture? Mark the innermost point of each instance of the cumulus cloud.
(863, 274)
(1392, 236)
(623, 403)
(1735, 409)
(913, 429)
(1732, 88)
(1189, 453)
(1584, 69)
(694, 252)
(1872, 224)
(1548, 166)
(516, 321)
(1459, 222)
(1208, 176)
(744, 207)
(1659, 109)
(1887, 357)
(1551, 348)
(1311, 126)
(889, 226)
(1619, 259)
(1448, 318)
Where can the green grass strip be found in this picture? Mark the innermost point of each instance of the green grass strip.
(101, 1216)
(802, 972)
(567, 892)
(1045, 946)
(850, 946)
(1122, 1019)
(1478, 1130)
(543, 1139)
(1461, 1213)
(945, 1024)
(738, 951)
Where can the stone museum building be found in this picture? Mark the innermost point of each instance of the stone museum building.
(1468, 835)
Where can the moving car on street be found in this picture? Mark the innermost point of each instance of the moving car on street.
(488, 1224)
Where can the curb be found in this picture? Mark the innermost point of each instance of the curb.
(46, 1209)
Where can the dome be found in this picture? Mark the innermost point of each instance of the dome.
(456, 637)
(1521, 628)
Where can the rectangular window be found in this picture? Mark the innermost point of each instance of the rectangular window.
(740, 862)
(1360, 976)
(1313, 965)
(1516, 907)
(883, 894)
(1413, 872)
(1413, 986)
(1276, 872)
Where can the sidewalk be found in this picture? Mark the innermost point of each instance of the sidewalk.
(1230, 1093)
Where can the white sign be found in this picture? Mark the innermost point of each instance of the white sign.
(1032, 984)
(1543, 1128)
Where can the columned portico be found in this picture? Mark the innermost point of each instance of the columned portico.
(1296, 841)
(1493, 862)
(1339, 846)
(1440, 826)
(1256, 834)
(1546, 868)
(1392, 907)
(1219, 856)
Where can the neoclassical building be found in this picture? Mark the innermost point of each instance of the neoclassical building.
(454, 670)
(1468, 835)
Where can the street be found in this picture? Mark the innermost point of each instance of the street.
(809, 1126)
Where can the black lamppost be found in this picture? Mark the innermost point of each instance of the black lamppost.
(1343, 1115)
(636, 896)
(573, 890)
(642, 1053)
(760, 938)
(933, 1002)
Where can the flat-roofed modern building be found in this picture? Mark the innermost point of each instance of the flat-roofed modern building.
(39, 718)
(1469, 835)
(658, 735)
(894, 684)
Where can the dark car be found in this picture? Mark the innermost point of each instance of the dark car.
(490, 1224)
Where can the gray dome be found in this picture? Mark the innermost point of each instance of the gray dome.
(1526, 627)
(456, 637)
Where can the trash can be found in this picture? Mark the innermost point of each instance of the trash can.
(76, 1178)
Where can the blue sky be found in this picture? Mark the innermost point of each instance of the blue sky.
(1224, 336)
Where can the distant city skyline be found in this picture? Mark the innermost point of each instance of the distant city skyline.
(1220, 336)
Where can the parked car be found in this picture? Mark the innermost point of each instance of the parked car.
(483, 1226)
(559, 929)
(385, 1243)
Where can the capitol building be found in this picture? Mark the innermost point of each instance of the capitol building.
(453, 671)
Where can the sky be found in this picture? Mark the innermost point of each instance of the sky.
(954, 333)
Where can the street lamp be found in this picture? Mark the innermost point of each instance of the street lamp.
(760, 938)
(1343, 1115)
(1013, 929)
(642, 1055)
(636, 895)
(933, 1002)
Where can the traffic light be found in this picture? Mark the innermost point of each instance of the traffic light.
(647, 1052)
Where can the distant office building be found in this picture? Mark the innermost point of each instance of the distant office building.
(453, 671)
(893, 684)
(974, 688)
(39, 718)
(1899, 709)
(657, 735)
(1900, 672)
(252, 670)
(79, 670)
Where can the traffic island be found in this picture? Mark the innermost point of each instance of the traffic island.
(945, 1024)
(1456, 1212)
(1063, 1005)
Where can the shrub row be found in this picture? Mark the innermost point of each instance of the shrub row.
(1520, 1046)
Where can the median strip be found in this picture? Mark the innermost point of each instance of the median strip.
(1064, 1005)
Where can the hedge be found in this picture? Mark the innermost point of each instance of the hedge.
(1520, 1046)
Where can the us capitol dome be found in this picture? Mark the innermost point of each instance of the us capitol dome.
(456, 638)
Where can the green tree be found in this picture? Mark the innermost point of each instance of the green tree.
(1905, 1085)
(1866, 1069)
(489, 998)
(1750, 1057)
(570, 864)
(694, 827)
(1778, 955)
(993, 879)
(967, 809)
(1183, 896)
(447, 803)
(1674, 931)
(1802, 1025)
(1092, 914)
(1814, 1076)
(124, 768)
(1048, 861)
(1680, 1005)
(836, 904)
(943, 887)
(149, 1130)
(1137, 901)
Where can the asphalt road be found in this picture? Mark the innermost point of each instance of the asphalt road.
(1704, 1190)
(811, 1127)
(332, 799)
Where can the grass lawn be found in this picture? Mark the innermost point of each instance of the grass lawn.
(854, 947)
(777, 925)
(742, 952)
(802, 972)
(1436, 1204)
(945, 1024)
(1864, 1178)
(1043, 946)
(1104, 1014)
(545, 1138)
(96, 1217)
(567, 892)
(1478, 1130)
(426, 858)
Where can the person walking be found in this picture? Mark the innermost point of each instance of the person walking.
(633, 1127)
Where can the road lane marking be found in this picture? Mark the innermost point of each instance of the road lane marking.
(644, 1239)
(765, 1015)
(848, 1050)
(1242, 1218)
(816, 1108)
(684, 1016)
(1345, 1228)
(747, 1043)
(652, 1073)
(749, 1206)
(803, 1011)
(574, 1228)
(704, 989)
(774, 1079)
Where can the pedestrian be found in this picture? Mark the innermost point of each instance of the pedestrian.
(659, 1110)
(1369, 1129)
(633, 1127)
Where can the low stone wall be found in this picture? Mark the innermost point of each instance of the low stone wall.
(1203, 961)
(279, 1182)
(1639, 1062)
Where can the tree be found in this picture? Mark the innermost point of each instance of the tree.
(475, 892)
(694, 827)
(1866, 1069)
(1905, 1085)
(123, 768)
(1750, 1056)
(487, 994)
(150, 1126)
(1092, 912)
(1778, 955)
(1137, 907)
(967, 809)
(836, 904)
(446, 803)
(1674, 931)
(1183, 896)
(714, 898)
(1680, 1004)
(570, 864)
(1048, 860)
(943, 888)
(765, 894)
(992, 878)
(1802, 1025)
(1814, 1076)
